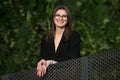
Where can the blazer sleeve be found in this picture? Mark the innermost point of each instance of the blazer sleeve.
(43, 48)
(74, 46)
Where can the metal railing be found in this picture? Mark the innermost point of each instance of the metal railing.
(101, 66)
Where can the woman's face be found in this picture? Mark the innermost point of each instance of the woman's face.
(60, 18)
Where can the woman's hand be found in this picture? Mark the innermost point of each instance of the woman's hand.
(42, 66)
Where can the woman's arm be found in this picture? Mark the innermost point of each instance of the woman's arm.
(74, 45)
(43, 63)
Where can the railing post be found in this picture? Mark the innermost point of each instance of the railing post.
(84, 61)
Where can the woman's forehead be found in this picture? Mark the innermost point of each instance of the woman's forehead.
(61, 11)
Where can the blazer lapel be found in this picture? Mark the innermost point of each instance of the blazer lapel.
(60, 46)
(52, 46)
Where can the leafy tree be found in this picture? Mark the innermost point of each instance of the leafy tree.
(22, 24)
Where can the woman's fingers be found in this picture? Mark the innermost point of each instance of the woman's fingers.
(44, 69)
(42, 74)
(39, 73)
(41, 70)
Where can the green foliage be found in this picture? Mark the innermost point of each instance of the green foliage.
(22, 24)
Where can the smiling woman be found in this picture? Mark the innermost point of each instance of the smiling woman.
(60, 43)
(60, 21)
(60, 18)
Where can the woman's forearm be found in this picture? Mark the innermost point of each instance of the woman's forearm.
(51, 62)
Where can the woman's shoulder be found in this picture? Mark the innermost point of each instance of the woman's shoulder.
(47, 36)
(44, 36)
(75, 33)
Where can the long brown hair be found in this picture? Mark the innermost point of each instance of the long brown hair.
(68, 26)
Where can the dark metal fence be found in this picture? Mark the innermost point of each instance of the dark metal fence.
(102, 66)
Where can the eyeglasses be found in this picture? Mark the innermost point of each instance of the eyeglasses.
(58, 16)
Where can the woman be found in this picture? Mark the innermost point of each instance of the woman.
(61, 43)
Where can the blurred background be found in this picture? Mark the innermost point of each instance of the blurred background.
(23, 22)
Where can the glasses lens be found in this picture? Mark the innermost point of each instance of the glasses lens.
(58, 16)
(64, 17)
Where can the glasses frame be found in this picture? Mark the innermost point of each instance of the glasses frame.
(58, 16)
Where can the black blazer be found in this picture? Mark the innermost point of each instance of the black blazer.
(66, 49)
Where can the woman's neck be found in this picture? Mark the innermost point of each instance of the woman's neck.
(59, 30)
